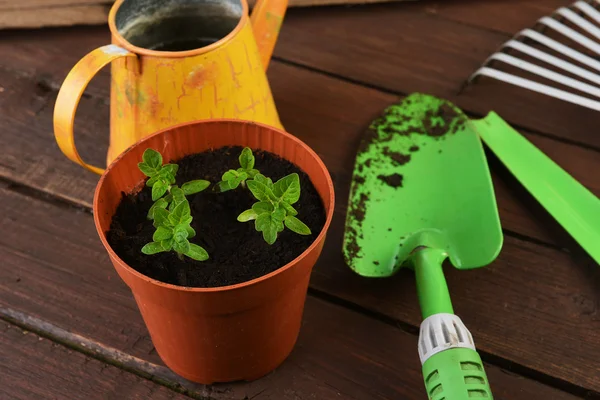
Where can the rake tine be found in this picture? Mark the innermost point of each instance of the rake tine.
(561, 48)
(538, 87)
(580, 21)
(576, 14)
(552, 60)
(548, 74)
(588, 10)
(570, 33)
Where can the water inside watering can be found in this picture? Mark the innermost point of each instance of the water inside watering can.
(177, 25)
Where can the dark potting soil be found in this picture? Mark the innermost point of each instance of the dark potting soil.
(238, 253)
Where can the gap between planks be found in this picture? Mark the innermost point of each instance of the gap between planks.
(470, 114)
(165, 377)
(144, 369)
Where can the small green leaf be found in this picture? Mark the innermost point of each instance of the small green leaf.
(180, 214)
(279, 214)
(295, 225)
(162, 233)
(160, 203)
(264, 180)
(197, 253)
(229, 175)
(223, 186)
(168, 198)
(153, 180)
(178, 196)
(280, 226)
(152, 158)
(193, 187)
(167, 244)
(170, 169)
(180, 233)
(233, 183)
(247, 215)
(158, 190)
(152, 248)
(289, 209)
(270, 234)
(266, 224)
(261, 178)
(161, 217)
(262, 207)
(288, 188)
(252, 173)
(191, 232)
(262, 222)
(182, 247)
(147, 170)
(247, 158)
(260, 190)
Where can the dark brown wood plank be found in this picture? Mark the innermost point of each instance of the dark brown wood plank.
(330, 116)
(402, 48)
(340, 353)
(496, 15)
(32, 367)
(318, 109)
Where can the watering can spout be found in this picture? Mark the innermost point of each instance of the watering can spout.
(266, 20)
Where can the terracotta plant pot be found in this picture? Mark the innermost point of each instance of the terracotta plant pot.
(237, 332)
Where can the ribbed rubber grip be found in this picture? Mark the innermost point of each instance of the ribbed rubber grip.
(456, 374)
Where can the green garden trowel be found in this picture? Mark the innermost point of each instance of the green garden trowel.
(421, 193)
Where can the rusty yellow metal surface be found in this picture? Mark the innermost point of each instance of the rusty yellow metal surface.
(151, 91)
(228, 82)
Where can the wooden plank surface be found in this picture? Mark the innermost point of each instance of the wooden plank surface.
(322, 111)
(52, 13)
(32, 367)
(341, 111)
(409, 49)
(513, 306)
(340, 353)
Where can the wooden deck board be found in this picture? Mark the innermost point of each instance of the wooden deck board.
(402, 48)
(535, 309)
(312, 106)
(316, 107)
(32, 367)
(67, 279)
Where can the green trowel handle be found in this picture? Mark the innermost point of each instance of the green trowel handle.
(456, 374)
(569, 202)
(452, 369)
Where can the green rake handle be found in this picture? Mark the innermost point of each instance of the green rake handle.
(452, 368)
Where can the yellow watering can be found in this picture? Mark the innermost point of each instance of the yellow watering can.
(174, 61)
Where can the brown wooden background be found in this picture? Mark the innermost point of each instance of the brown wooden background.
(44, 13)
(71, 329)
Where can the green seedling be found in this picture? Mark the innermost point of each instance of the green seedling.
(173, 230)
(162, 181)
(274, 207)
(171, 213)
(233, 178)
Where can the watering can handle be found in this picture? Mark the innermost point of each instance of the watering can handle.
(266, 19)
(70, 93)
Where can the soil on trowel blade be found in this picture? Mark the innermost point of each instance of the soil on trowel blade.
(238, 253)
(394, 180)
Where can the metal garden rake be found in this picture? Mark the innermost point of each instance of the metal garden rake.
(586, 18)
